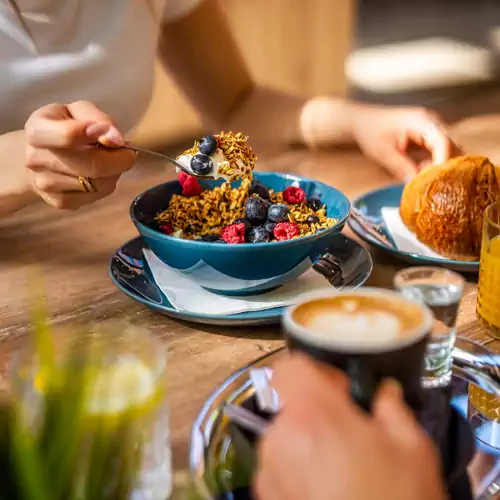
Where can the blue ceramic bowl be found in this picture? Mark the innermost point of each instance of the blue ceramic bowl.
(245, 268)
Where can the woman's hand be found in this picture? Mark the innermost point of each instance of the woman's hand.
(67, 170)
(384, 134)
(323, 447)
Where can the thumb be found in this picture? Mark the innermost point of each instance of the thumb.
(54, 127)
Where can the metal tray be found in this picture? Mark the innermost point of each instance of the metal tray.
(212, 460)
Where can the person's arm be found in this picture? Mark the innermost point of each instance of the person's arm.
(203, 58)
(16, 190)
(50, 158)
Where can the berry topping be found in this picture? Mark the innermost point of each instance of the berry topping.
(210, 238)
(208, 145)
(167, 229)
(312, 219)
(258, 235)
(259, 189)
(191, 186)
(286, 231)
(248, 224)
(278, 213)
(201, 164)
(256, 210)
(269, 226)
(233, 234)
(315, 203)
(293, 195)
(182, 176)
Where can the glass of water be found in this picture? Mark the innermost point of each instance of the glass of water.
(441, 290)
(123, 411)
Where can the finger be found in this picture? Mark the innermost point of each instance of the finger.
(55, 183)
(97, 163)
(87, 111)
(300, 373)
(397, 163)
(269, 481)
(54, 127)
(275, 466)
(435, 139)
(306, 385)
(91, 162)
(392, 413)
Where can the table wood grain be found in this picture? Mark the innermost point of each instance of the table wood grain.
(72, 250)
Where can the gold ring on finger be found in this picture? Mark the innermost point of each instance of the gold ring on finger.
(86, 185)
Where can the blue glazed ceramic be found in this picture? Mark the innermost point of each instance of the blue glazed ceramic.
(246, 268)
(136, 280)
(370, 205)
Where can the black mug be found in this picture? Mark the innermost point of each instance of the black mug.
(371, 334)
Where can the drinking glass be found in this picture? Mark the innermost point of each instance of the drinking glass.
(125, 397)
(484, 415)
(441, 291)
(488, 301)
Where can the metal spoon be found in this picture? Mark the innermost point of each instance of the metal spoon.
(160, 155)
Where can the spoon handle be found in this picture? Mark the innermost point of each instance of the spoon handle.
(159, 155)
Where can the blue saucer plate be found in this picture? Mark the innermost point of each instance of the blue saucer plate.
(370, 206)
(346, 264)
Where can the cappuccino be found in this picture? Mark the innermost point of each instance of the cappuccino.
(360, 320)
(371, 334)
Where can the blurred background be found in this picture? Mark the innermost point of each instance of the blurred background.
(426, 52)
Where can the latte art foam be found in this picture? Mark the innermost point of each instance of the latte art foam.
(377, 327)
(359, 320)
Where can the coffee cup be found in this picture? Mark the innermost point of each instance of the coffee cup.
(371, 334)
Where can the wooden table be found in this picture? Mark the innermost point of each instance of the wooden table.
(73, 249)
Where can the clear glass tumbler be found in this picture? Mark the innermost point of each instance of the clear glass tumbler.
(123, 415)
(441, 290)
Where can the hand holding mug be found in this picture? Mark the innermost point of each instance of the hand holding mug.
(323, 446)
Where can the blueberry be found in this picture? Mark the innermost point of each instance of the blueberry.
(201, 164)
(220, 240)
(210, 238)
(269, 226)
(256, 210)
(258, 235)
(208, 145)
(312, 219)
(315, 203)
(259, 189)
(278, 213)
(248, 224)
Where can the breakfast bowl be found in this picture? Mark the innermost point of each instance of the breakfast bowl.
(245, 268)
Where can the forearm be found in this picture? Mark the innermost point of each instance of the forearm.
(214, 77)
(275, 117)
(15, 184)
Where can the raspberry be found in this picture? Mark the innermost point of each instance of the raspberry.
(167, 229)
(181, 177)
(191, 186)
(286, 231)
(235, 233)
(293, 195)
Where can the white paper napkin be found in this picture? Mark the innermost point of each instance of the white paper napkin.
(185, 295)
(403, 238)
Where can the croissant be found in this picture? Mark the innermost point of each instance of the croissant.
(444, 205)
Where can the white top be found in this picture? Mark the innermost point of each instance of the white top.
(97, 50)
